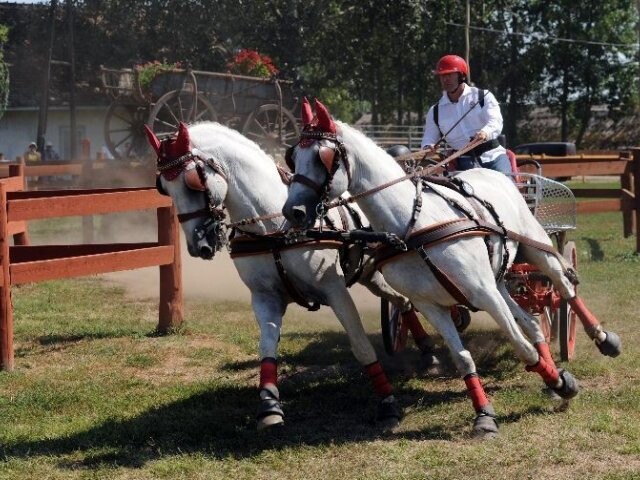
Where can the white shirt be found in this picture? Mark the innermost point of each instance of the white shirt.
(487, 118)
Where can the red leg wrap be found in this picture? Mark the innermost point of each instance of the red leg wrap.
(475, 391)
(414, 326)
(544, 352)
(381, 384)
(589, 321)
(268, 371)
(549, 373)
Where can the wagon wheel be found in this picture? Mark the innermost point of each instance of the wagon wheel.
(549, 324)
(566, 316)
(123, 133)
(394, 330)
(177, 106)
(263, 126)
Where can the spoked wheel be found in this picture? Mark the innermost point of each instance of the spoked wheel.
(178, 106)
(549, 324)
(272, 127)
(394, 330)
(123, 133)
(566, 316)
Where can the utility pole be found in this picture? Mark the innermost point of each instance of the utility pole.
(73, 133)
(467, 24)
(44, 98)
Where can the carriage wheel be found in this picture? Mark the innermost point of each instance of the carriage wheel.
(566, 316)
(177, 106)
(123, 132)
(549, 324)
(263, 126)
(394, 330)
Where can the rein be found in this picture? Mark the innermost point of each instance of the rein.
(417, 174)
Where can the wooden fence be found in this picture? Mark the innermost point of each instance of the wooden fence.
(23, 263)
(625, 165)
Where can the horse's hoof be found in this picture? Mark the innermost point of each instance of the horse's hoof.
(461, 317)
(270, 421)
(388, 415)
(570, 386)
(484, 427)
(270, 411)
(610, 346)
(428, 360)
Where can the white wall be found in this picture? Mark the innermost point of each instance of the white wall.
(19, 127)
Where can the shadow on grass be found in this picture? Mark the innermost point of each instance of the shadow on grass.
(59, 342)
(327, 401)
(595, 251)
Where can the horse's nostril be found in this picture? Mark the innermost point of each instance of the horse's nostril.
(206, 252)
(299, 214)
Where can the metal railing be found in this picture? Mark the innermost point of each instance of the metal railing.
(387, 135)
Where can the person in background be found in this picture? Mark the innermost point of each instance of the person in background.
(32, 154)
(49, 153)
(465, 114)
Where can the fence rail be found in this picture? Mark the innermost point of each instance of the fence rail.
(23, 263)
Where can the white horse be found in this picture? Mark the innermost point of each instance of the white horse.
(211, 171)
(450, 260)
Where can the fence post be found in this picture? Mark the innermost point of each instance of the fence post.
(636, 192)
(170, 308)
(87, 182)
(6, 309)
(20, 238)
(626, 183)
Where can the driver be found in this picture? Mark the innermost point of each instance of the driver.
(463, 114)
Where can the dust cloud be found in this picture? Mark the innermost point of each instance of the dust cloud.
(209, 280)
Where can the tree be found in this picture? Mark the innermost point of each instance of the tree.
(4, 71)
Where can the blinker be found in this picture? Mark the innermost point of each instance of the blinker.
(192, 179)
(327, 156)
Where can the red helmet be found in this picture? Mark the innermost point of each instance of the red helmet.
(451, 64)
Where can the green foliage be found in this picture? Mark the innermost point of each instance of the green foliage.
(148, 71)
(379, 54)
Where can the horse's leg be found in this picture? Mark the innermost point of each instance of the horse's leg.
(269, 310)
(344, 308)
(608, 342)
(485, 424)
(561, 382)
(379, 287)
(529, 325)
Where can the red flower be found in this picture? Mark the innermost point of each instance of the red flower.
(250, 62)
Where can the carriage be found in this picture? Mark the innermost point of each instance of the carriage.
(260, 108)
(554, 206)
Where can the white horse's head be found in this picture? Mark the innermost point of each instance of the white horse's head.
(321, 165)
(197, 187)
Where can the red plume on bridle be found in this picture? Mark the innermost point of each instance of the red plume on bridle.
(153, 140)
(325, 122)
(172, 147)
(305, 112)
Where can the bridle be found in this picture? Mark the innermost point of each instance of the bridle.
(330, 156)
(193, 167)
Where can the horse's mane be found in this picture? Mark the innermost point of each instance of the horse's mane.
(215, 138)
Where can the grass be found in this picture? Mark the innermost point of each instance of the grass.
(96, 395)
